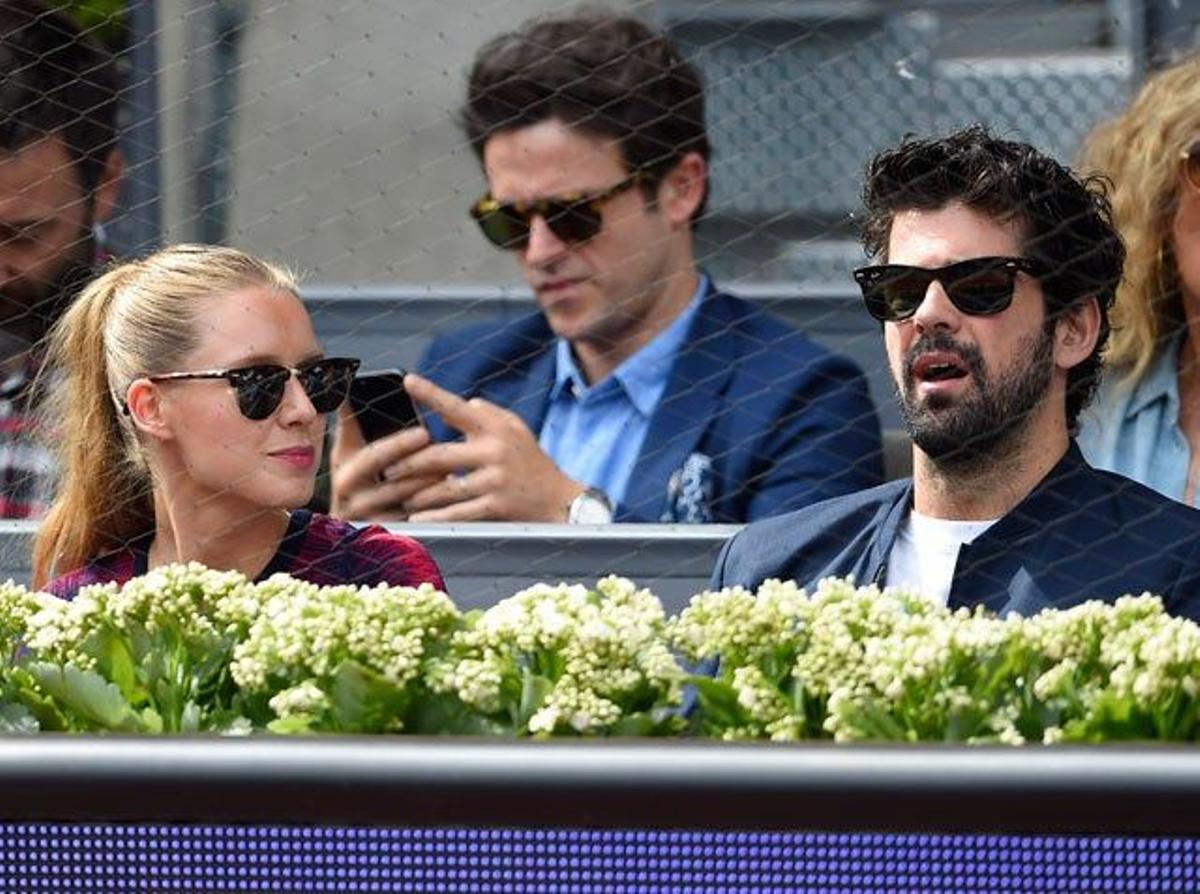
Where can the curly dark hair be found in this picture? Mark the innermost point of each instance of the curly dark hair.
(1065, 221)
(608, 75)
(55, 81)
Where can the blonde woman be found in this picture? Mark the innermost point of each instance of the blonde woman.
(191, 408)
(1145, 421)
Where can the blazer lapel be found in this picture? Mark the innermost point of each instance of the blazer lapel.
(872, 566)
(688, 408)
(528, 394)
(997, 569)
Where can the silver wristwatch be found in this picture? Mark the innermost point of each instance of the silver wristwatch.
(592, 507)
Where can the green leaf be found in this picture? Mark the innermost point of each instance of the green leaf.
(211, 664)
(511, 684)
(169, 702)
(1118, 717)
(116, 663)
(778, 663)
(94, 699)
(534, 689)
(444, 714)
(101, 19)
(152, 722)
(23, 687)
(875, 723)
(192, 718)
(17, 719)
(717, 704)
(800, 706)
(365, 701)
(293, 724)
(141, 643)
(963, 725)
(655, 722)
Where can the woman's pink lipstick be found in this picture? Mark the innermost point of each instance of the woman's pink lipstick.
(300, 457)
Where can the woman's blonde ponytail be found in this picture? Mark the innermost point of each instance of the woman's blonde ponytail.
(103, 496)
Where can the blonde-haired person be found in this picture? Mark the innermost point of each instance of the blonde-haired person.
(1145, 420)
(191, 410)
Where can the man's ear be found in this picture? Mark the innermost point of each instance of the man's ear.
(682, 190)
(143, 403)
(1076, 332)
(108, 187)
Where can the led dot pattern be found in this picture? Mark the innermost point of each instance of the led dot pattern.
(36, 857)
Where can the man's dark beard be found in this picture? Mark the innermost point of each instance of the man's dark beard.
(29, 308)
(960, 435)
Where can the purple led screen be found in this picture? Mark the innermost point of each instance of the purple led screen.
(37, 857)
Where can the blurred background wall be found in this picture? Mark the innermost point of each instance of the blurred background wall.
(323, 134)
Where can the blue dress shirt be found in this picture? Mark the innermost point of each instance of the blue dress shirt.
(1134, 429)
(594, 433)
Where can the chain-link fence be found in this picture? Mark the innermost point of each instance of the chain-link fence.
(327, 137)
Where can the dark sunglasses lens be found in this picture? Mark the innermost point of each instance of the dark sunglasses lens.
(984, 291)
(893, 295)
(259, 389)
(504, 228)
(328, 382)
(573, 222)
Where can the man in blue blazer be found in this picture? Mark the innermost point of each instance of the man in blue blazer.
(639, 392)
(996, 271)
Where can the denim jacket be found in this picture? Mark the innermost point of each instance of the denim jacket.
(1133, 429)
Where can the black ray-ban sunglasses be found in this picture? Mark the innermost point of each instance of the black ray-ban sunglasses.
(977, 286)
(260, 388)
(573, 219)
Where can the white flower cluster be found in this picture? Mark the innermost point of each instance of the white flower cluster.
(846, 662)
(846, 622)
(923, 672)
(757, 637)
(771, 713)
(1130, 653)
(600, 653)
(1068, 643)
(190, 596)
(58, 629)
(857, 663)
(740, 626)
(184, 597)
(299, 633)
(17, 607)
(306, 698)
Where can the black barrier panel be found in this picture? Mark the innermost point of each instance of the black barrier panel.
(45, 857)
(663, 784)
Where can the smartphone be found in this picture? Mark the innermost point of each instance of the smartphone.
(381, 405)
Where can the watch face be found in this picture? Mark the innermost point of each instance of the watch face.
(590, 510)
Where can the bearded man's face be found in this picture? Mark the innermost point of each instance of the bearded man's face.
(46, 246)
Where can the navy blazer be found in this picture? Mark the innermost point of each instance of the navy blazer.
(755, 419)
(1080, 534)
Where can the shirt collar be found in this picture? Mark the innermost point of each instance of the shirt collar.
(1161, 381)
(642, 376)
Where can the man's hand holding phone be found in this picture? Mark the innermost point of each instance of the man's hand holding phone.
(377, 427)
(497, 472)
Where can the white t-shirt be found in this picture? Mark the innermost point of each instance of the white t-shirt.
(925, 553)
